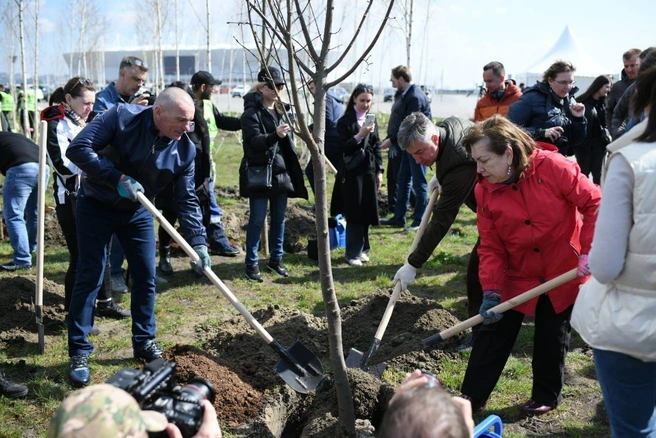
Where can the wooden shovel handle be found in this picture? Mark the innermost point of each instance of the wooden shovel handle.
(207, 271)
(506, 305)
(382, 326)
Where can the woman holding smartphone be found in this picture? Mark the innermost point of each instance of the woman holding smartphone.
(362, 174)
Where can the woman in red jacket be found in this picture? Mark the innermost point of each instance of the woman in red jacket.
(535, 216)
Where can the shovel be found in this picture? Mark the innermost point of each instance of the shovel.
(506, 305)
(298, 366)
(355, 358)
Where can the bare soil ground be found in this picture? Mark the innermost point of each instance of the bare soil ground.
(252, 401)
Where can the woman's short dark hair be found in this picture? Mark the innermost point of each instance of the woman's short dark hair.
(645, 96)
(555, 68)
(75, 87)
(502, 133)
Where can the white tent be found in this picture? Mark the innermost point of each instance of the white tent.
(567, 48)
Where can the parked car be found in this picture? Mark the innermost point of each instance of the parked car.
(388, 96)
(341, 93)
(239, 91)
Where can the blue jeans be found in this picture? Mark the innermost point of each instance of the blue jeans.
(276, 227)
(410, 174)
(20, 199)
(629, 387)
(116, 257)
(96, 222)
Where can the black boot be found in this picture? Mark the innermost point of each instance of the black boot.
(253, 273)
(165, 260)
(10, 389)
(277, 267)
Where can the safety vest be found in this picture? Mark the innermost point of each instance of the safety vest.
(30, 95)
(7, 102)
(208, 115)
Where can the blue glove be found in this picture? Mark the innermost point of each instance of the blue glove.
(393, 151)
(128, 188)
(205, 261)
(492, 299)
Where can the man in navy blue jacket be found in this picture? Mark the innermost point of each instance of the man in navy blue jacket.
(409, 98)
(126, 150)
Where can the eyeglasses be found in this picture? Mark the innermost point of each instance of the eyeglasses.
(365, 87)
(130, 61)
(570, 83)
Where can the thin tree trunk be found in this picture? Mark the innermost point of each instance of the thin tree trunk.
(21, 39)
(209, 32)
(177, 44)
(36, 71)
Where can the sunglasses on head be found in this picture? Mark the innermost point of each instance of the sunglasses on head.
(80, 81)
(130, 61)
(365, 87)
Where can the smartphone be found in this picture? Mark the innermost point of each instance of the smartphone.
(370, 120)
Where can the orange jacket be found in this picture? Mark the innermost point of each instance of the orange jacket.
(487, 106)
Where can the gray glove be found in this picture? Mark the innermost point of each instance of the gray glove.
(434, 184)
(406, 275)
(492, 299)
(128, 188)
(205, 261)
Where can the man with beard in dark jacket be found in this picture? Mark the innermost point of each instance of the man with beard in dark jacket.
(631, 59)
(455, 177)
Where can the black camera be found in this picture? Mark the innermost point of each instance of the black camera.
(155, 389)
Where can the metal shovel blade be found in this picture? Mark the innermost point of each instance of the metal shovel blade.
(355, 359)
(304, 373)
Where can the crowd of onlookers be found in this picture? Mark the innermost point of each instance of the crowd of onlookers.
(539, 213)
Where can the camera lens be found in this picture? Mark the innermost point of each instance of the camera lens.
(200, 387)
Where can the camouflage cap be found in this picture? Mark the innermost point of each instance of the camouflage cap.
(103, 410)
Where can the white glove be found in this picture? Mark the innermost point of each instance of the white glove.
(406, 275)
(433, 184)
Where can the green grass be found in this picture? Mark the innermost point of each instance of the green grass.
(189, 303)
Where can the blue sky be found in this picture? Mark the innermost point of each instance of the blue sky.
(460, 38)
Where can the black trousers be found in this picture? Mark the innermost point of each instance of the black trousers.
(393, 165)
(590, 158)
(494, 343)
(163, 236)
(474, 288)
(66, 218)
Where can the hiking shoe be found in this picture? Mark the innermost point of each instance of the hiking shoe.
(393, 223)
(78, 371)
(412, 227)
(253, 273)
(364, 258)
(149, 351)
(110, 309)
(11, 266)
(278, 267)
(224, 250)
(354, 262)
(118, 285)
(10, 389)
